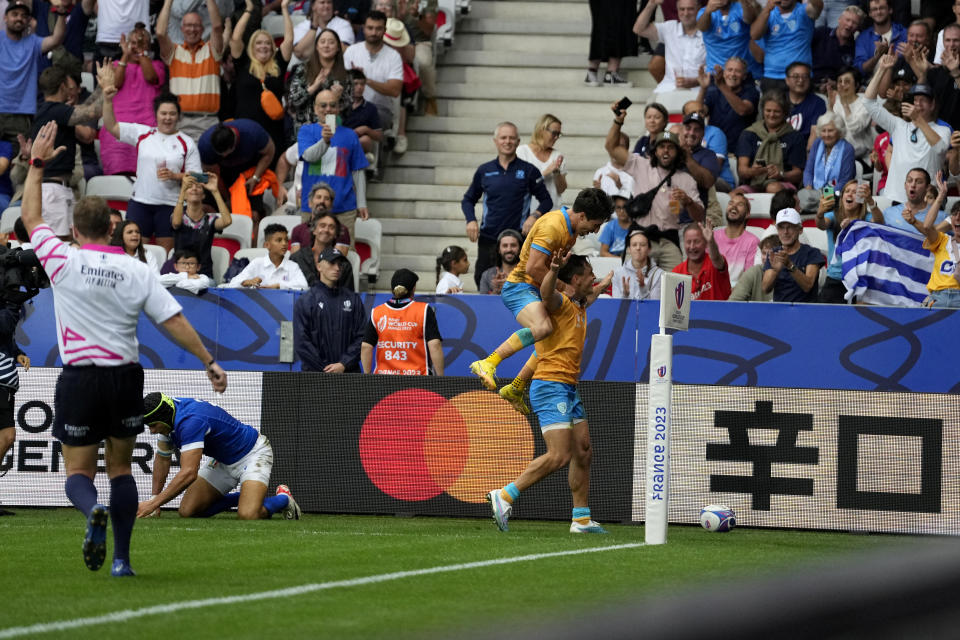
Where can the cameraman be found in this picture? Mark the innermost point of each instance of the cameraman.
(10, 355)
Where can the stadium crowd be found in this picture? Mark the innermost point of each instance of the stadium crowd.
(214, 119)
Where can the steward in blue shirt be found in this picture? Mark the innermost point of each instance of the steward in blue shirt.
(506, 184)
(329, 321)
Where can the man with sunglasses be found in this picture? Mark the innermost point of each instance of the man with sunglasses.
(333, 155)
(919, 141)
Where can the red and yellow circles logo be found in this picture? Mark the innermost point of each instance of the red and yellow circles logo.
(416, 445)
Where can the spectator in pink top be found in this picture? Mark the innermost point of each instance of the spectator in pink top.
(139, 79)
(737, 245)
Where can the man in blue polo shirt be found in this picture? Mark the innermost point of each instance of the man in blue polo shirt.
(787, 28)
(21, 52)
(334, 155)
(833, 49)
(231, 149)
(506, 185)
(238, 454)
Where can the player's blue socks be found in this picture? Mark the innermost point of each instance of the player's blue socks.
(81, 492)
(123, 512)
(510, 493)
(275, 504)
(228, 501)
(525, 336)
(581, 514)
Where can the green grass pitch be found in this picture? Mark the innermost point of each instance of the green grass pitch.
(44, 580)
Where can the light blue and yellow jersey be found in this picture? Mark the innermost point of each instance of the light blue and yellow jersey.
(558, 355)
(551, 232)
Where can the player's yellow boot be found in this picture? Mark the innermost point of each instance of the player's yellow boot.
(487, 372)
(514, 396)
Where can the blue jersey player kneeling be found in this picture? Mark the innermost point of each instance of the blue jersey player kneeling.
(239, 455)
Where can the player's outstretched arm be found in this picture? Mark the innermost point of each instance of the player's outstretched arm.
(189, 469)
(548, 286)
(184, 333)
(598, 288)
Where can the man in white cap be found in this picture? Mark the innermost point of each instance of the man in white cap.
(792, 270)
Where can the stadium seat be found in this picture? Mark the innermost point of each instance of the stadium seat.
(354, 261)
(251, 253)
(240, 230)
(817, 238)
(757, 231)
(116, 190)
(883, 202)
(158, 252)
(759, 204)
(588, 245)
(86, 81)
(674, 101)
(273, 24)
(221, 260)
(10, 215)
(950, 203)
(367, 243)
(723, 199)
(288, 221)
(603, 265)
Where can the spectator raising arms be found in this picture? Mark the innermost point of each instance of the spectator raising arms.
(704, 263)
(683, 43)
(787, 28)
(452, 263)
(847, 105)
(193, 228)
(260, 68)
(139, 80)
(164, 157)
(638, 277)
(852, 202)
(540, 152)
(944, 285)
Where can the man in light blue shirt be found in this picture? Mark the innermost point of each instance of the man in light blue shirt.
(915, 186)
(726, 31)
(787, 27)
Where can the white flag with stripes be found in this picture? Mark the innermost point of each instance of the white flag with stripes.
(884, 265)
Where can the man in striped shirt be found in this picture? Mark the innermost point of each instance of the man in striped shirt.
(194, 67)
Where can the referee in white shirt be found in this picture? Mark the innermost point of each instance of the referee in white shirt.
(98, 294)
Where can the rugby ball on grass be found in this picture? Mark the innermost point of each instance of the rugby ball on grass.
(717, 518)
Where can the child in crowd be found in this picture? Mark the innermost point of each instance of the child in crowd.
(613, 234)
(454, 263)
(187, 276)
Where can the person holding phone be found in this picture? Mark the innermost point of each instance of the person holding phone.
(194, 228)
(832, 160)
(540, 152)
(164, 157)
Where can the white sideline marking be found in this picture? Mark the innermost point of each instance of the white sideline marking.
(130, 614)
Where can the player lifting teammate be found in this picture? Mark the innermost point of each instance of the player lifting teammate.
(552, 232)
(554, 395)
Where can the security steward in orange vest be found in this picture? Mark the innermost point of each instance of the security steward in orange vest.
(404, 333)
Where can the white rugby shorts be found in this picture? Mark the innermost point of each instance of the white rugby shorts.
(256, 465)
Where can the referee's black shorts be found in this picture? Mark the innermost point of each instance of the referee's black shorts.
(93, 403)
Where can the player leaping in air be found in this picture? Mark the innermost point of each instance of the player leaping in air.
(552, 232)
(239, 455)
(554, 395)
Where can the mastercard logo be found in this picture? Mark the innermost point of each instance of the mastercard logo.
(416, 445)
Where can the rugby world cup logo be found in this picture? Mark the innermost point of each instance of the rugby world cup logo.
(679, 292)
(661, 371)
(381, 324)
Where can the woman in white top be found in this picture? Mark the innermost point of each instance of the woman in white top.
(453, 263)
(127, 236)
(540, 153)
(164, 156)
(845, 103)
(639, 276)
